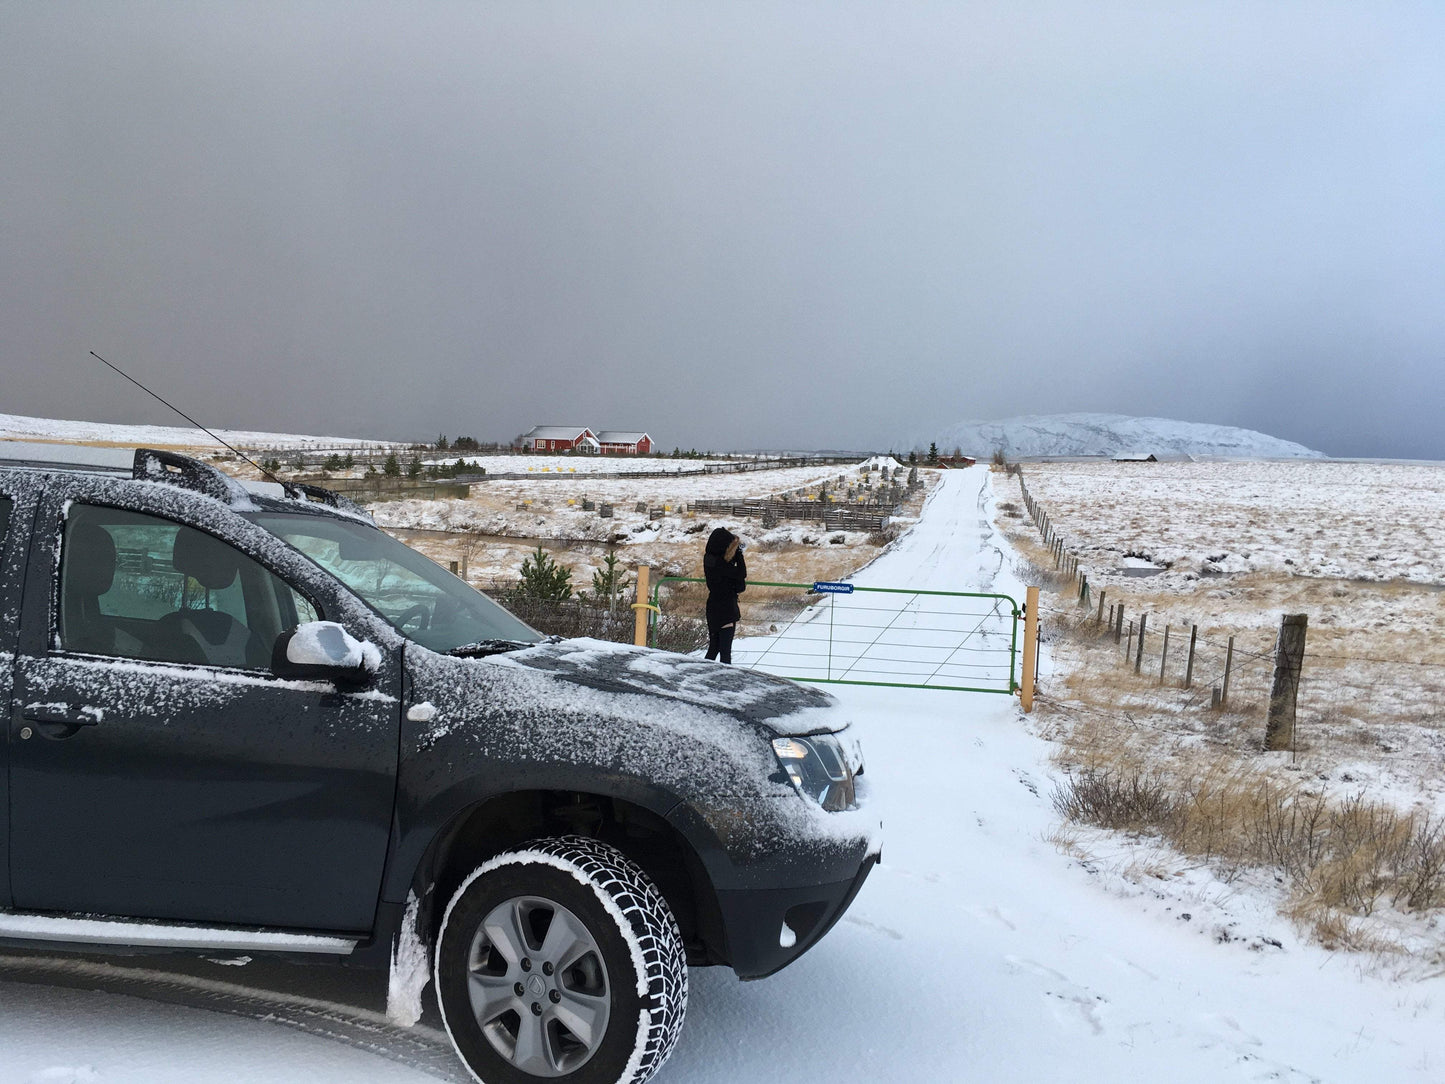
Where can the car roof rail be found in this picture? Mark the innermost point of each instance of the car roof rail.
(154, 465)
(301, 491)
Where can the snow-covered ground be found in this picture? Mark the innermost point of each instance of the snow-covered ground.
(554, 510)
(978, 950)
(543, 465)
(1329, 519)
(22, 427)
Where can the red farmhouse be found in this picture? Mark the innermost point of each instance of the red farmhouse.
(616, 442)
(561, 438)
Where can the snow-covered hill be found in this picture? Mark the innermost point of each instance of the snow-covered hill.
(1106, 435)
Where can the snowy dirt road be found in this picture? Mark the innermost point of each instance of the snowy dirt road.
(976, 952)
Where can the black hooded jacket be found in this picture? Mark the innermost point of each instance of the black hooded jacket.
(726, 580)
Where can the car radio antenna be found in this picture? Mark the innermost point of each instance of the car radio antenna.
(265, 473)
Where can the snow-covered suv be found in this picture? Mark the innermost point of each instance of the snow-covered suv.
(242, 718)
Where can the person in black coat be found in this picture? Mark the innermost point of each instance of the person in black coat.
(727, 578)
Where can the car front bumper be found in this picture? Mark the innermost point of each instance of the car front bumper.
(769, 928)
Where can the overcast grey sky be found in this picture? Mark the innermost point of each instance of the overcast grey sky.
(731, 224)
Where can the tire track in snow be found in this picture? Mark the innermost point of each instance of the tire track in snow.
(421, 1047)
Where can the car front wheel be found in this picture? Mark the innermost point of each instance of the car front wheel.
(561, 959)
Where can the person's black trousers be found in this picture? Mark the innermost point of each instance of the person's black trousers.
(720, 644)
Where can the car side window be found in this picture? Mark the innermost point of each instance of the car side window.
(138, 586)
(5, 505)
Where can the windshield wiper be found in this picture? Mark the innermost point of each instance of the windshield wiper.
(483, 648)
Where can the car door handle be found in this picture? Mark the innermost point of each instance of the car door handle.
(53, 716)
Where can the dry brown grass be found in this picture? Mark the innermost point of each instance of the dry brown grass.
(1341, 858)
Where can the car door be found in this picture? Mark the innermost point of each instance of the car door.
(161, 770)
(13, 534)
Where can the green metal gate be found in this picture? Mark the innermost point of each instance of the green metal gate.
(841, 634)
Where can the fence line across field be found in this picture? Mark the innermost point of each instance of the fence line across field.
(949, 640)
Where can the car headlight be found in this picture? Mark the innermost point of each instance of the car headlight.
(819, 770)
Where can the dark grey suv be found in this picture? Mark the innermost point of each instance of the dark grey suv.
(245, 719)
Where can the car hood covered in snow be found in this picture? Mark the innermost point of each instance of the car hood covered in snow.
(780, 705)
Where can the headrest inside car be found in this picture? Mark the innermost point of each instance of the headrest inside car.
(209, 562)
(89, 559)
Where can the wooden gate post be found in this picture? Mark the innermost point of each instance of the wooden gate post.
(640, 607)
(1289, 657)
(1031, 637)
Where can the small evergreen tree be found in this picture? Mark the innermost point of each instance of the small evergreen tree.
(933, 452)
(543, 578)
(607, 581)
(913, 457)
(333, 462)
(414, 467)
(349, 461)
(442, 442)
(392, 467)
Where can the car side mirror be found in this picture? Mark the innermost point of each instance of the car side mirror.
(324, 651)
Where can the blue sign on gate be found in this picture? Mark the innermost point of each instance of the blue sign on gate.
(823, 587)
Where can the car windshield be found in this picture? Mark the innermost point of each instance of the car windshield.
(417, 597)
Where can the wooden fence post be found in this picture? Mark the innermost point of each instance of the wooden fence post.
(1031, 632)
(1139, 651)
(1164, 655)
(1228, 665)
(1119, 625)
(1129, 642)
(1289, 657)
(1189, 670)
(1099, 618)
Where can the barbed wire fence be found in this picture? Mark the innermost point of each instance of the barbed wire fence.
(1181, 668)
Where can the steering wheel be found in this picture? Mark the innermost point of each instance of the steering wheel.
(418, 614)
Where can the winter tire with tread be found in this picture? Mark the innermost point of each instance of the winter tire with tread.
(561, 961)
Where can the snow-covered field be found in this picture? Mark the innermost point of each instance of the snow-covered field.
(544, 465)
(1330, 519)
(22, 427)
(978, 950)
(554, 510)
